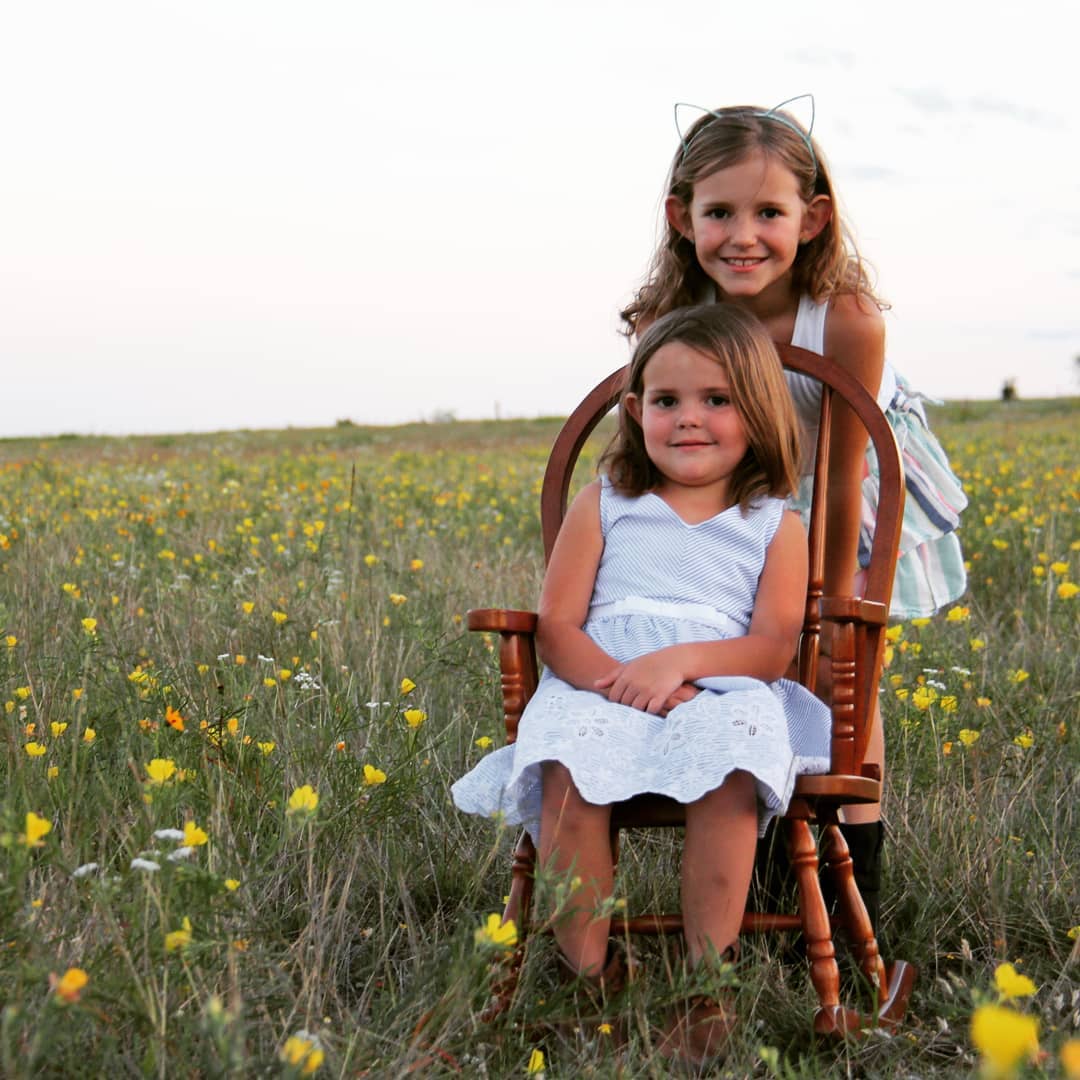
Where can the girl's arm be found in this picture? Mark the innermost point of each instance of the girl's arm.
(855, 339)
(763, 653)
(567, 592)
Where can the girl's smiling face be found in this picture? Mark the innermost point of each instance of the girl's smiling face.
(746, 223)
(693, 433)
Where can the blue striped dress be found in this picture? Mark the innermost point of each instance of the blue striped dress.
(930, 572)
(662, 582)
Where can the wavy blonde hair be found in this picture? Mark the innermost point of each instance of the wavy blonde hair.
(739, 344)
(826, 266)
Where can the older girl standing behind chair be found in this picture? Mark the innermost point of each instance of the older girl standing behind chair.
(752, 219)
(671, 608)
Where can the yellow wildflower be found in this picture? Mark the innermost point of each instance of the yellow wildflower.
(496, 933)
(949, 703)
(958, 614)
(11, 641)
(193, 835)
(536, 1064)
(1004, 1038)
(1019, 676)
(415, 717)
(266, 747)
(161, 770)
(968, 737)
(58, 727)
(279, 617)
(397, 599)
(247, 607)
(179, 939)
(37, 828)
(484, 741)
(35, 749)
(1011, 984)
(232, 884)
(1025, 740)
(69, 987)
(921, 621)
(407, 686)
(174, 719)
(895, 633)
(370, 560)
(52, 772)
(983, 702)
(416, 564)
(90, 626)
(302, 1051)
(1070, 1059)
(284, 674)
(373, 776)
(304, 800)
(1067, 590)
(89, 735)
(1060, 568)
(924, 697)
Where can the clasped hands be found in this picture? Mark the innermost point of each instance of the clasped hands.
(652, 683)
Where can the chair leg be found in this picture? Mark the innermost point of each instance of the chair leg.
(831, 1018)
(518, 908)
(852, 910)
(893, 984)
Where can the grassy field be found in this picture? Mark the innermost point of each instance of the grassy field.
(236, 688)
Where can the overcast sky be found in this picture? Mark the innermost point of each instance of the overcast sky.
(255, 214)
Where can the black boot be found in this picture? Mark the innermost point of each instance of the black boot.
(865, 842)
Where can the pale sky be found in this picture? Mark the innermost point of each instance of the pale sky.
(232, 214)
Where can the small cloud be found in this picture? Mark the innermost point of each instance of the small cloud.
(1056, 333)
(831, 58)
(928, 100)
(1014, 111)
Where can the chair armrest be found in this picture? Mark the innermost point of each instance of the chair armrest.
(854, 609)
(517, 657)
(501, 620)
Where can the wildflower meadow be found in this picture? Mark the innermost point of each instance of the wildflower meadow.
(236, 687)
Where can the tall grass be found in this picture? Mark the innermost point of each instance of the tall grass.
(249, 606)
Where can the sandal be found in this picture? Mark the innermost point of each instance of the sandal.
(699, 1032)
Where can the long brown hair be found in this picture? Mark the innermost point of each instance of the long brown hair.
(741, 346)
(825, 266)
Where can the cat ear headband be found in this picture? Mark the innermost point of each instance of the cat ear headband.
(766, 114)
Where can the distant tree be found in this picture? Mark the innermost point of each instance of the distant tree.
(1008, 390)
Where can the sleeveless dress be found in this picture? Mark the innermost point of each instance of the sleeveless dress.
(930, 572)
(662, 582)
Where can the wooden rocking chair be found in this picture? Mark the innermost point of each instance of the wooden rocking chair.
(858, 649)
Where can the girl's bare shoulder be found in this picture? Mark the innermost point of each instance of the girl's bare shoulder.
(855, 335)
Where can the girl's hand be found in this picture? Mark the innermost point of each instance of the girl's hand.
(684, 693)
(646, 683)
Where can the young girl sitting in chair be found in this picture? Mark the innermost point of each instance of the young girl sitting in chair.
(670, 610)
